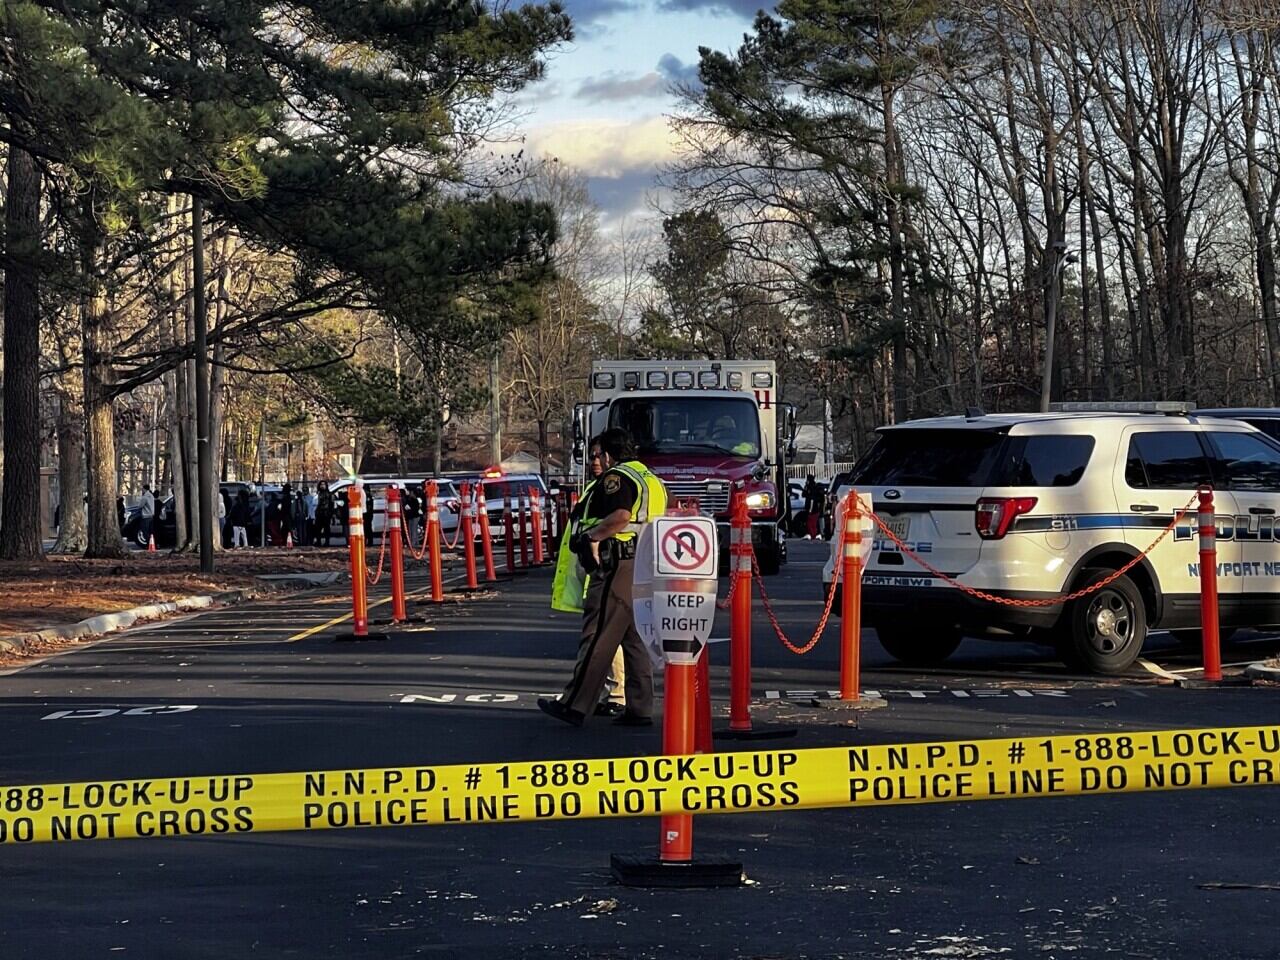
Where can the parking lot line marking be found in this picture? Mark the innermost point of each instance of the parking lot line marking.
(312, 631)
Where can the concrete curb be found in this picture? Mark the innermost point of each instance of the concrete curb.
(105, 623)
(1260, 671)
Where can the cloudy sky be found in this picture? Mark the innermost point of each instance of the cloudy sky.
(601, 107)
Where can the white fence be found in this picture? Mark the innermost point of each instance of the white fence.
(822, 472)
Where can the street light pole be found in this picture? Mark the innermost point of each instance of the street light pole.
(1060, 258)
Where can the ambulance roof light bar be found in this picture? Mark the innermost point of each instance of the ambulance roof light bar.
(656, 380)
(631, 380)
(709, 379)
(734, 379)
(603, 381)
(682, 379)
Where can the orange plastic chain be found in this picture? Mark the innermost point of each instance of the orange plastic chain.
(382, 553)
(415, 553)
(826, 609)
(728, 599)
(1047, 601)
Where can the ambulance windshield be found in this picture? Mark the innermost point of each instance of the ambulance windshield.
(689, 424)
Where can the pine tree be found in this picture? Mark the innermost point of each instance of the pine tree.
(331, 130)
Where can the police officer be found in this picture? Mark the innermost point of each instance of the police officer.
(569, 590)
(626, 496)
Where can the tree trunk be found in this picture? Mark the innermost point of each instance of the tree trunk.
(217, 445)
(73, 534)
(206, 485)
(20, 514)
(99, 414)
(175, 389)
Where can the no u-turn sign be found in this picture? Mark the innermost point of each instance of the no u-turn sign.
(686, 547)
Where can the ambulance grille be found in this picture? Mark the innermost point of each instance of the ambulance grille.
(712, 502)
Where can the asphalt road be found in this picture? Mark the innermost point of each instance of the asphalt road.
(266, 687)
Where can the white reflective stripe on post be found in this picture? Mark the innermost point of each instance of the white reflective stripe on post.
(1208, 530)
(393, 522)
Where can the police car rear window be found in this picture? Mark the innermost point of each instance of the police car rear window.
(930, 458)
(1044, 461)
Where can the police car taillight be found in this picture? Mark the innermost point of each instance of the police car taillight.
(995, 515)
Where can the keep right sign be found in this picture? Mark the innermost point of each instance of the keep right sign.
(675, 610)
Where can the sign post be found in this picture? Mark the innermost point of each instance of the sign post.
(682, 553)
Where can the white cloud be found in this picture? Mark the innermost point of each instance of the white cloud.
(607, 148)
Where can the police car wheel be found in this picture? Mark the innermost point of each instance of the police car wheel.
(1109, 626)
(923, 645)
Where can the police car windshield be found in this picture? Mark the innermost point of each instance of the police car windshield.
(689, 424)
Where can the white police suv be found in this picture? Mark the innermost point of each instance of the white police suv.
(1033, 506)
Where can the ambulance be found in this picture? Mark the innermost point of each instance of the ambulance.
(704, 427)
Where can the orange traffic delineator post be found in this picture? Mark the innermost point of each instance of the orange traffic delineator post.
(524, 529)
(675, 865)
(850, 560)
(509, 536)
(435, 564)
(741, 572)
(355, 550)
(851, 601)
(468, 538)
(740, 615)
(702, 705)
(392, 530)
(1209, 634)
(535, 526)
(486, 535)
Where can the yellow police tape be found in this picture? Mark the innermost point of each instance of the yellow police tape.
(855, 776)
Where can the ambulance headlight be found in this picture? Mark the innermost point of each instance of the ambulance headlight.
(760, 500)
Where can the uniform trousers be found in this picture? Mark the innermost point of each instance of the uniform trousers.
(607, 623)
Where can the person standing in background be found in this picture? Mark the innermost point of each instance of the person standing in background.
(324, 513)
(240, 514)
(813, 507)
(298, 519)
(309, 523)
(146, 513)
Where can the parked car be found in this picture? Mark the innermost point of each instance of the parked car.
(498, 487)
(1266, 419)
(1033, 506)
(449, 500)
(164, 526)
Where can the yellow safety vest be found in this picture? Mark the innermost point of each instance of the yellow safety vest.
(569, 587)
(652, 501)
(570, 584)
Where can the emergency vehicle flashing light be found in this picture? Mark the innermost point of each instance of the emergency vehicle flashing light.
(1177, 407)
